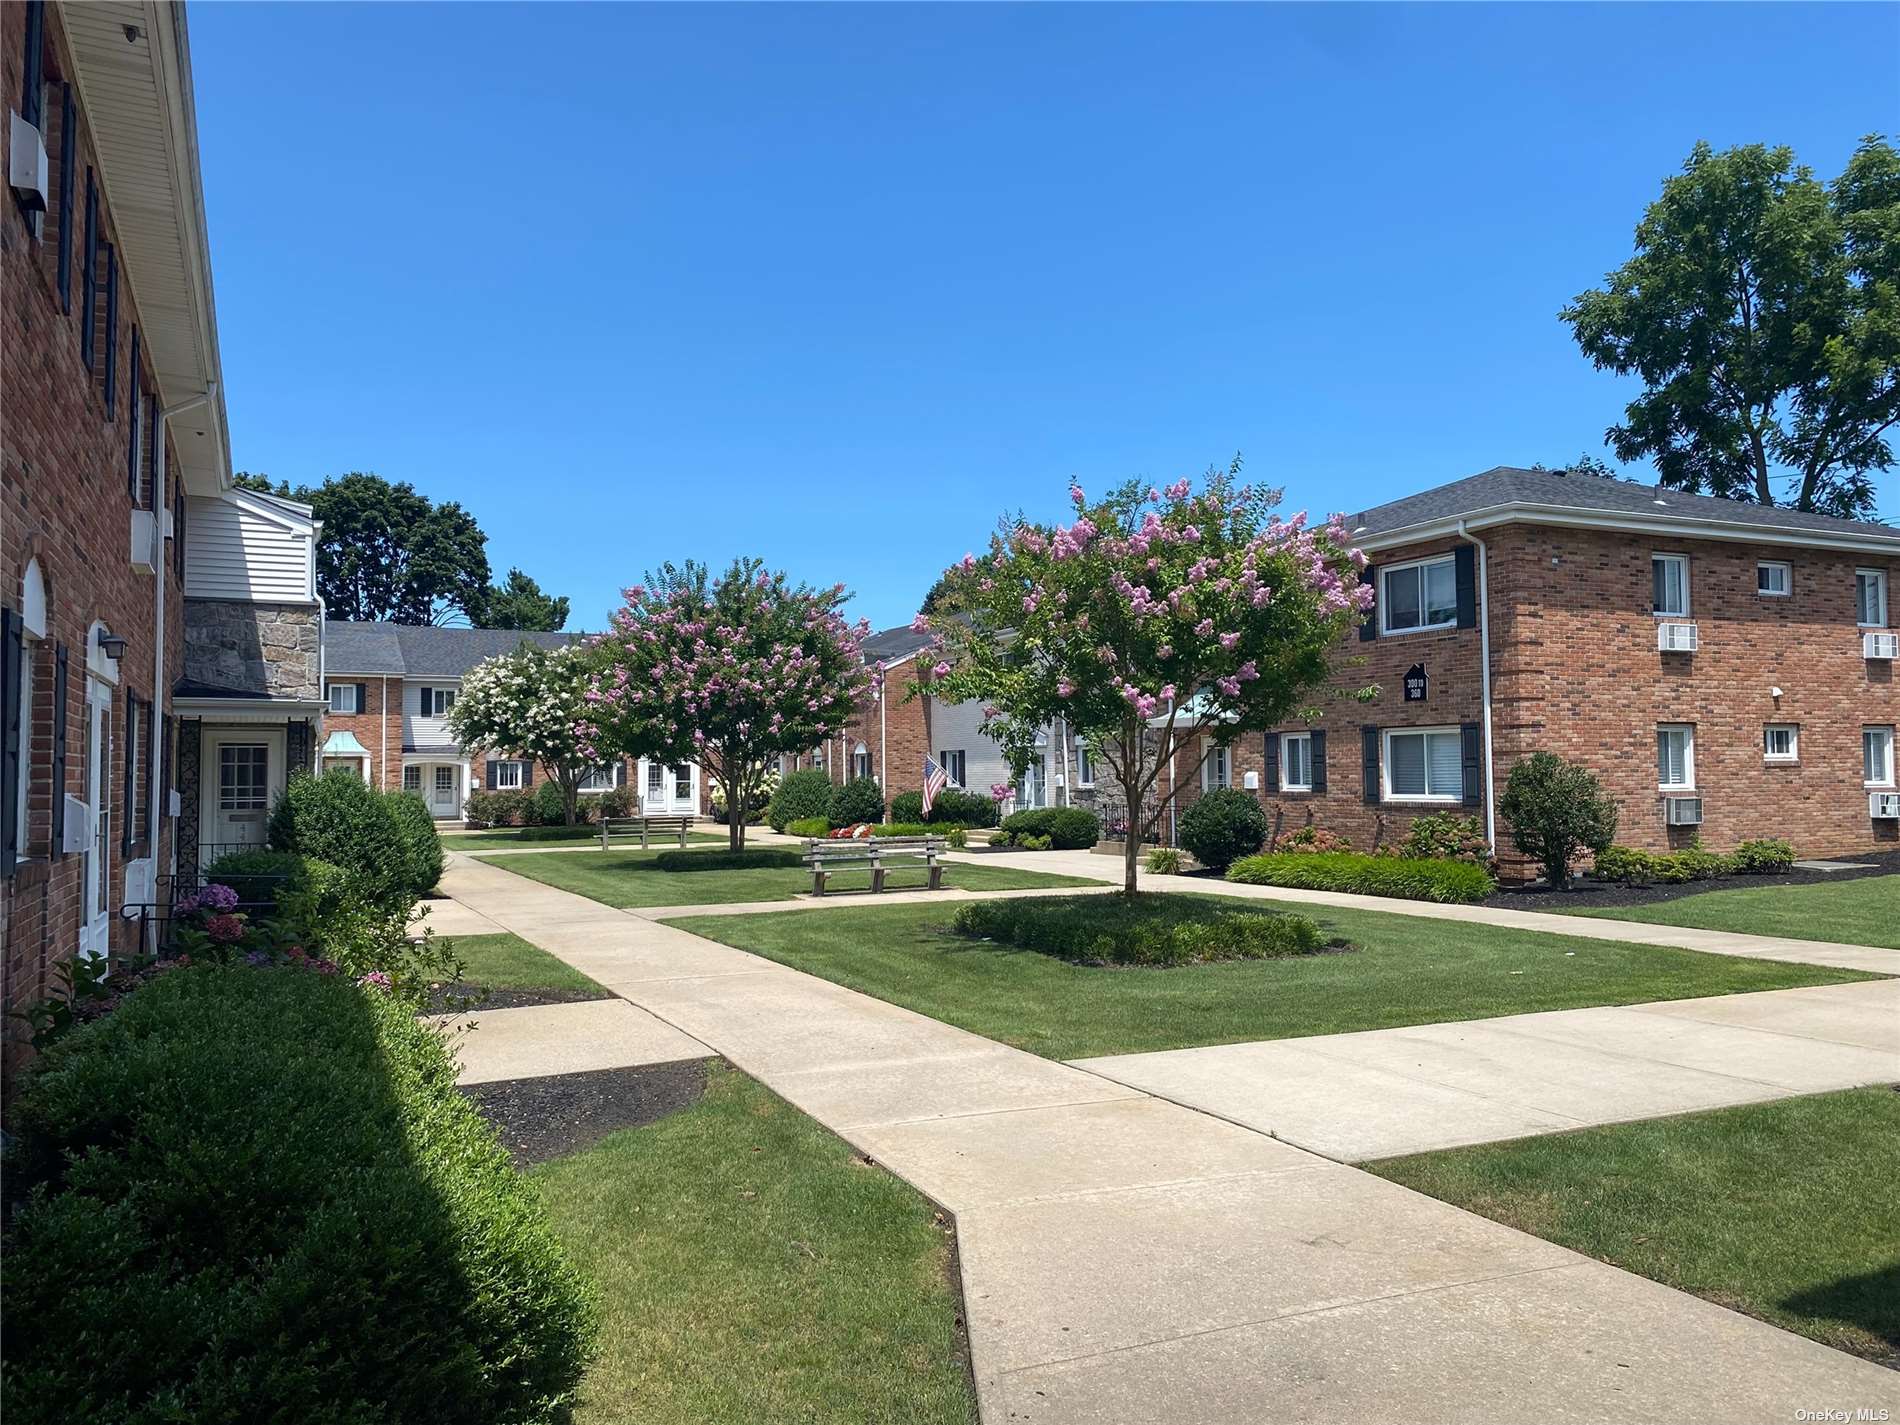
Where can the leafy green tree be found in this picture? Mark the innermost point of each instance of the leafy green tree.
(261, 484)
(530, 703)
(519, 603)
(390, 553)
(1557, 811)
(1762, 313)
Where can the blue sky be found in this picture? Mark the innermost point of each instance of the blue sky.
(839, 285)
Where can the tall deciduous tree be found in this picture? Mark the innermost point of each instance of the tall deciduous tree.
(518, 602)
(1155, 618)
(530, 703)
(388, 552)
(729, 673)
(1762, 313)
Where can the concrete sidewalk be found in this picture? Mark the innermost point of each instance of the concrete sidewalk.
(1130, 1260)
(1383, 1092)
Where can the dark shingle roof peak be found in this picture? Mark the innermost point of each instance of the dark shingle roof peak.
(414, 650)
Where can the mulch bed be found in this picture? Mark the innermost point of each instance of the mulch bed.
(461, 995)
(1607, 894)
(539, 1120)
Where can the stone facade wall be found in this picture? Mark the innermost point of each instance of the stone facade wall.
(256, 648)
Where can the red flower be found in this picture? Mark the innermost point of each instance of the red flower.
(225, 929)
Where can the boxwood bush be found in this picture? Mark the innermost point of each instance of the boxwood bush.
(950, 808)
(858, 800)
(421, 844)
(807, 826)
(547, 807)
(509, 808)
(800, 797)
(1223, 826)
(339, 819)
(257, 1195)
(1068, 828)
(1400, 876)
(777, 857)
(1765, 857)
(1156, 930)
(263, 878)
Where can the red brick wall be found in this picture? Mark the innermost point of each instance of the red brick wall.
(897, 737)
(377, 728)
(64, 502)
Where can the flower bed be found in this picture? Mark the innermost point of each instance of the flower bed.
(1401, 877)
(1150, 931)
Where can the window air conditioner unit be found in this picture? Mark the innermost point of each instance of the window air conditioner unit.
(1676, 637)
(26, 162)
(145, 541)
(1880, 645)
(1884, 806)
(1682, 811)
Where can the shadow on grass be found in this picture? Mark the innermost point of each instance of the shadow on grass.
(1868, 1300)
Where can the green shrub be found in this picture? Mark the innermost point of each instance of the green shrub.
(1311, 838)
(777, 857)
(1351, 871)
(1446, 835)
(260, 877)
(801, 796)
(548, 807)
(615, 801)
(1164, 861)
(807, 826)
(859, 800)
(1028, 841)
(956, 838)
(950, 808)
(1557, 811)
(1633, 867)
(509, 808)
(1763, 858)
(1161, 930)
(422, 845)
(1691, 864)
(1625, 864)
(258, 1195)
(337, 818)
(1001, 838)
(1222, 826)
(1066, 828)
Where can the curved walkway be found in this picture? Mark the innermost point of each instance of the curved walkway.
(1126, 1259)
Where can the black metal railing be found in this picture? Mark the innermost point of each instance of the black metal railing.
(157, 918)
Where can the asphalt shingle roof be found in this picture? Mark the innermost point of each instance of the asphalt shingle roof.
(401, 649)
(889, 645)
(1508, 485)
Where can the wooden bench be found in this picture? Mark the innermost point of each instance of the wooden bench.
(826, 856)
(612, 826)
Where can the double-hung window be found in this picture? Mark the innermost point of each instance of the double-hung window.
(1424, 765)
(436, 702)
(1669, 581)
(1675, 756)
(1876, 750)
(1296, 762)
(1420, 595)
(1780, 742)
(1870, 598)
(601, 779)
(952, 764)
(1215, 769)
(1774, 579)
(861, 762)
(509, 776)
(346, 697)
(1084, 766)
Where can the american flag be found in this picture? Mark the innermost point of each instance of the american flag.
(935, 780)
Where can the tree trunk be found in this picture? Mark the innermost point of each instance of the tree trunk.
(570, 801)
(1132, 792)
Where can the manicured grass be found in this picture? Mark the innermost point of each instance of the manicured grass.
(1408, 970)
(507, 962)
(1789, 1211)
(752, 1268)
(629, 878)
(1865, 911)
(536, 835)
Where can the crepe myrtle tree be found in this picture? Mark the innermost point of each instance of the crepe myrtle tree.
(1154, 618)
(729, 673)
(529, 703)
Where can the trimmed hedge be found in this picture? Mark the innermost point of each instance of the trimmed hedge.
(1633, 867)
(339, 819)
(1765, 857)
(422, 844)
(1068, 828)
(1222, 826)
(776, 857)
(950, 808)
(1403, 877)
(508, 808)
(860, 799)
(807, 826)
(801, 796)
(257, 1195)
(1160, 930)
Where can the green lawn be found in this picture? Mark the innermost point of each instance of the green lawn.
(1789, 1211)
(629, 878)
(536, 835)
(1409, 970)
(1865, 911)
(507, 962)
(752, 1268)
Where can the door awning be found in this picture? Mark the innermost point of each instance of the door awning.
(343, 744)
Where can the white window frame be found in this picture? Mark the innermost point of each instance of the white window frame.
(1084, 766)
(954, 766)
(591, 786)
(1386, 571)
(1428, 795)
(1881, 737)
(1768, 753)
(1786, 571)
(1879, 578)
(861, 761)
(1668, 729)
(412, 779)
(351, 690)
(1287, 782)
(1664, 557)
(1217, 769)
(436, 700)
(510, 767)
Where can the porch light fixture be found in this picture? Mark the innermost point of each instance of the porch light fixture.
(111, 644)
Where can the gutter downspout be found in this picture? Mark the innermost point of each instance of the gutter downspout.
(883, 746)
(1484, 685)
(382, 723)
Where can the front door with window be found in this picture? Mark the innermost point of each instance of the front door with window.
(445, 791)
(243, 773)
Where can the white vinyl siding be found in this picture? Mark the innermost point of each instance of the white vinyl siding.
(1780, 742)
(232, 552)
(1876, 750)
(1418, 596)
(425, 715)
(1870, 598)
(1669, 584)
(1675, 756)
(1424, 765)
(1774, 579)
(1296, 762)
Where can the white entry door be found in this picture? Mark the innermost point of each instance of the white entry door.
(243, 794)
(95, 928)
(445, 791)
(681, 778)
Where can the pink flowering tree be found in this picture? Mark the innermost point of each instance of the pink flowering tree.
(1155, 621)
(728, 673)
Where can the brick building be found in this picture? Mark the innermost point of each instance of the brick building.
(112, 418)
(1726, 670)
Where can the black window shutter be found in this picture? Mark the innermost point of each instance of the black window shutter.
(1273, 761)
(362, 697)
(1471, 745)
(12, 735)
(54, 850)
(112, 327)
(132, 451)
(126, 817)
(165, 750)
(34, 72)
(151, 780)
(178, 533)
(491, 776)
(1319, 761)
(1369, 757)
(68, 148)
(89, 274)
(1464, 561)
(1369, 625)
